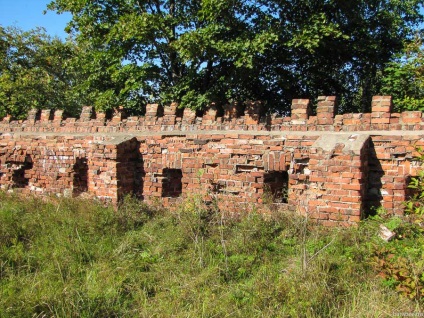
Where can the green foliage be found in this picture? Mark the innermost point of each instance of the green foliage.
(36, 71)
(68, 258)
(129, 53)
(404, 78)
(415, 204)
(400, 262)
(198, 52)
(405, 274)
(133, 213)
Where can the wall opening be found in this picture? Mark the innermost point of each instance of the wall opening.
(200, 113)
(109, 114)
(276, 185)
(172, 183)
(80, 179)
(130, 169)
(20, 175)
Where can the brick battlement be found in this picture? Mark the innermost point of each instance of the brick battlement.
(331, 167)
(231, 117)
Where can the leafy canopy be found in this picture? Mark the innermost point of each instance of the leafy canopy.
(404, 77)
(193, 52)
(35, 72)
(130, 52)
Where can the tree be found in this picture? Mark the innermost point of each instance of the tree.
(35, 72)
(340, 47)
(193, 52)
(198, 51)
(404, 77)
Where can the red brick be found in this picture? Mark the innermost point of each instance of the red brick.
(351, 186)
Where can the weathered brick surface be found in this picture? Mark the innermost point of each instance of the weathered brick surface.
(330, 167)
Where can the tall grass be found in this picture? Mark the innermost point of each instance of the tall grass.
(76, 258)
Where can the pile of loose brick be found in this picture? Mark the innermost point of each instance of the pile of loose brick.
(331, 167)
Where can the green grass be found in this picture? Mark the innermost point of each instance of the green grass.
(69, 258)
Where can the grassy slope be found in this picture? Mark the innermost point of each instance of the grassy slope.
(72, 258)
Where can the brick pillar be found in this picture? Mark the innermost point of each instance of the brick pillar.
(119, 114)
(381, 109)
(337, 178)
(300, 111)
(170, 114)
(151, 112)
(45, 115)
(210, 115)
(253, 113)
(58, 116)
(101, 118)
(189, 116)
(326, 110)
(102, 167)
(87, 113)
(33, 115)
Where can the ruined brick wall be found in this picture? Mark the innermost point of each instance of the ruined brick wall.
(332, 167)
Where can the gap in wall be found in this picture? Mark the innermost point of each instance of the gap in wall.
(20, 178)
(172, 183)
(276, 183)
(80, 179)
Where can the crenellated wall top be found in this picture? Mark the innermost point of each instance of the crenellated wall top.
(248, 116)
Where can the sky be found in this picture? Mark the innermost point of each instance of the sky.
(28, 14)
